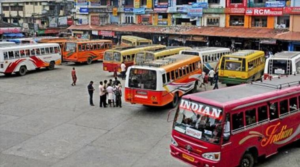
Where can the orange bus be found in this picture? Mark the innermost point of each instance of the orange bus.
(162, 81)
(86, 51)
(113, 58)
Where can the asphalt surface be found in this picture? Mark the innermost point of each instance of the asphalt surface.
(44, 121)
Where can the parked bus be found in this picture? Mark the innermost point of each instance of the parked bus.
(113, 58)
(145, 56)
(162, 81)
(210, 56)
(235, 126)
(283, 63)
(127, 40)
(86, 51)
(241, 67)
(5, 44)
(22, 58)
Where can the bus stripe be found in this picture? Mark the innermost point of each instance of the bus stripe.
(11, 67)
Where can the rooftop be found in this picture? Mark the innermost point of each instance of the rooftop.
(286, 54)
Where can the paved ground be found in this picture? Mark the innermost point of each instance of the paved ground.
(44, 121)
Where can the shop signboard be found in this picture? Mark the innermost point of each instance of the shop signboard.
(292, 10)
(172, 10)
(161, 4)
(264, 11)
(182, 9)
(84, 10)
(95, 2)
(149, 4)
(235, 10)
(97, 10)
(128, 10)
(275, 4)
(139, 11)
(52, 21)
(81, 3)
(63, 20)
(106, 33)
(115, 11)
(203, 5)
(10, 30)
(94, 32)
(214, 10)
(195, 12)
(160, 10)
(136, 3)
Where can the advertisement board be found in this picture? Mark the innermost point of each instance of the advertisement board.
(200, 5)
(63, 20)
(275, 4)
(115, 11)
(95, 2)
(149, 4)
(136, 3)
(52, 22)
(84, 10)
(195, 12)
(264, 11)
(235, 10)
(139, 10)
(81, 3)
(292, 10)
(106, 33)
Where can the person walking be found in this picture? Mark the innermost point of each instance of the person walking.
(116, 82)
(118, 94)
(115, 72)
(123, 70)
(110, 95)
(105, 97)
(202, 80)
(91, 91)
(211, 75)
(216, 78)
(74, 77)
(102, 95)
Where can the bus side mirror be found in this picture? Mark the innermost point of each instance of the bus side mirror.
(169, 115)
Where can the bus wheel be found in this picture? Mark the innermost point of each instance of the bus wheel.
(89, 61)
(51, 65)
(247, 160)
(175, 100)
(22, 70)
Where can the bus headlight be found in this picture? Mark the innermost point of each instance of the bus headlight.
(214, 156)
(174, 142)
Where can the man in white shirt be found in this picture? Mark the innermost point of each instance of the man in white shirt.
(211, 75)
(102, 95)
(123, 70)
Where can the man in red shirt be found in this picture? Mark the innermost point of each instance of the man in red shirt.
(74, 77)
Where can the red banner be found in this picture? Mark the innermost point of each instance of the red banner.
(264, 11)
(106, 33)
(235, 10)
(292, 10)
(10, 30)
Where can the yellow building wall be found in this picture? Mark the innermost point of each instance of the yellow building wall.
(271, 22)
(169, 19)
(155, 19)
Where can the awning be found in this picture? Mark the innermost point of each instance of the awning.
(52, 31)
(13, 35)
(39, 32)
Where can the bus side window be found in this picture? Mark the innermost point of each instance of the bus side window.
(32, 52)
(47, 50)
(293, 104)
(11, 55)
(183, 71)
(37, 51)
(56, 49)
(284, 107)
(17, 54)
(101, 46)
(191, 68)
(237, 121)
(168, 77)
(27, 52)
(22, 53)
(42, 51)
(273, 110)
(96, 46)
(262, 114)
(177, 73)
(51, 50)
(91, 47)
(108, 46)
(187, 69)
(180, 72)
(5, 55)
(250, 117)
(128, 58)
(87, 47)
(226, 132)
(172, 75)
(79, 48)
(164, 78)
(124, 58)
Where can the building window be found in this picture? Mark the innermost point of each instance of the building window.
(15, 21)
(259, 21)
(129, 19)
(259, 1)
(236, 1)
(143, 2)
(213, 22)
(5, 8)
(103, 2)
(213, 1)
(283, 22)
(236, 20)
(179, 2)
(128, 3)
(14, 8)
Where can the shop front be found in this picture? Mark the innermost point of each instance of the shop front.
(235, 17)
(214, 17)
(160, 14)
(294, 13)
(236, 3)
(127, 17)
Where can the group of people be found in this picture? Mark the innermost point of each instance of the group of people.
(110, 93)
(212, 77)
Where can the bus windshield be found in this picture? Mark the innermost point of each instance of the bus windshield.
(142, 78)
(108, 56)
(190, 53)
(149, 57)
(71, 47)
(127, 42)
(117, 57)
(200, 121)
(139, 58)
(279, 67)
(234, 66)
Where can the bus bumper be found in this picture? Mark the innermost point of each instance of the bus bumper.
(232, 81)
(109, 67)
(192, 159)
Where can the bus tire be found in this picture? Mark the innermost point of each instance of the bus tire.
(175, 101)
(51, 66)
(247, 160)
(89, 61)
(22, 71)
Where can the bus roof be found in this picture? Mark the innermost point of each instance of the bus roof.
(247, 94)
(286, 55)
(27, 46)
(134, 37)
(88, 41)
(244, 53)
(130, 48)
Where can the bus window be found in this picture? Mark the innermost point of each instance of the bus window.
(87, 47)
(191, 68)
(284, 107)
(183, 71)
(273, 111)
(293, 104)
(226, 132)
(37, 51)
(22, 52)
(187, 69)
(51, 50)
(180, 72)
(47, 50)
(11, 55)
(27, 52)
(250, 117)
(124, 58)
(95, 46)
(108, 46)
(132, 56)
(164, 78)
(42, 51)
(176, 73)
(238, 121)
(17, 54)
(172, 75)
(56, 49)
(262, 113)
(128, 58)
(32, 52)
(168, 77)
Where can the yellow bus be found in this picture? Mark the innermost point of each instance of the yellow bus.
(113, 58)
(127, 40)
(145, 56)
(241, 67)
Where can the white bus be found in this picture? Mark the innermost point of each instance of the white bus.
(210, 56)
(283, 63)
(22, 58)
(5, 44)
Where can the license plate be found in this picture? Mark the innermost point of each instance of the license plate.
(187, 157)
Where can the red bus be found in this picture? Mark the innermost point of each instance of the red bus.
(234, 126)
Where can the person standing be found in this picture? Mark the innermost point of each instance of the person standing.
(74, 77)
(110, 95)
(216, 78)
(118, 94)
(211, 75)
(91, 91)
(115, 72)
(102, 95)
(123, 70)
(116, 82)
(202, 80)
(105, 97)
